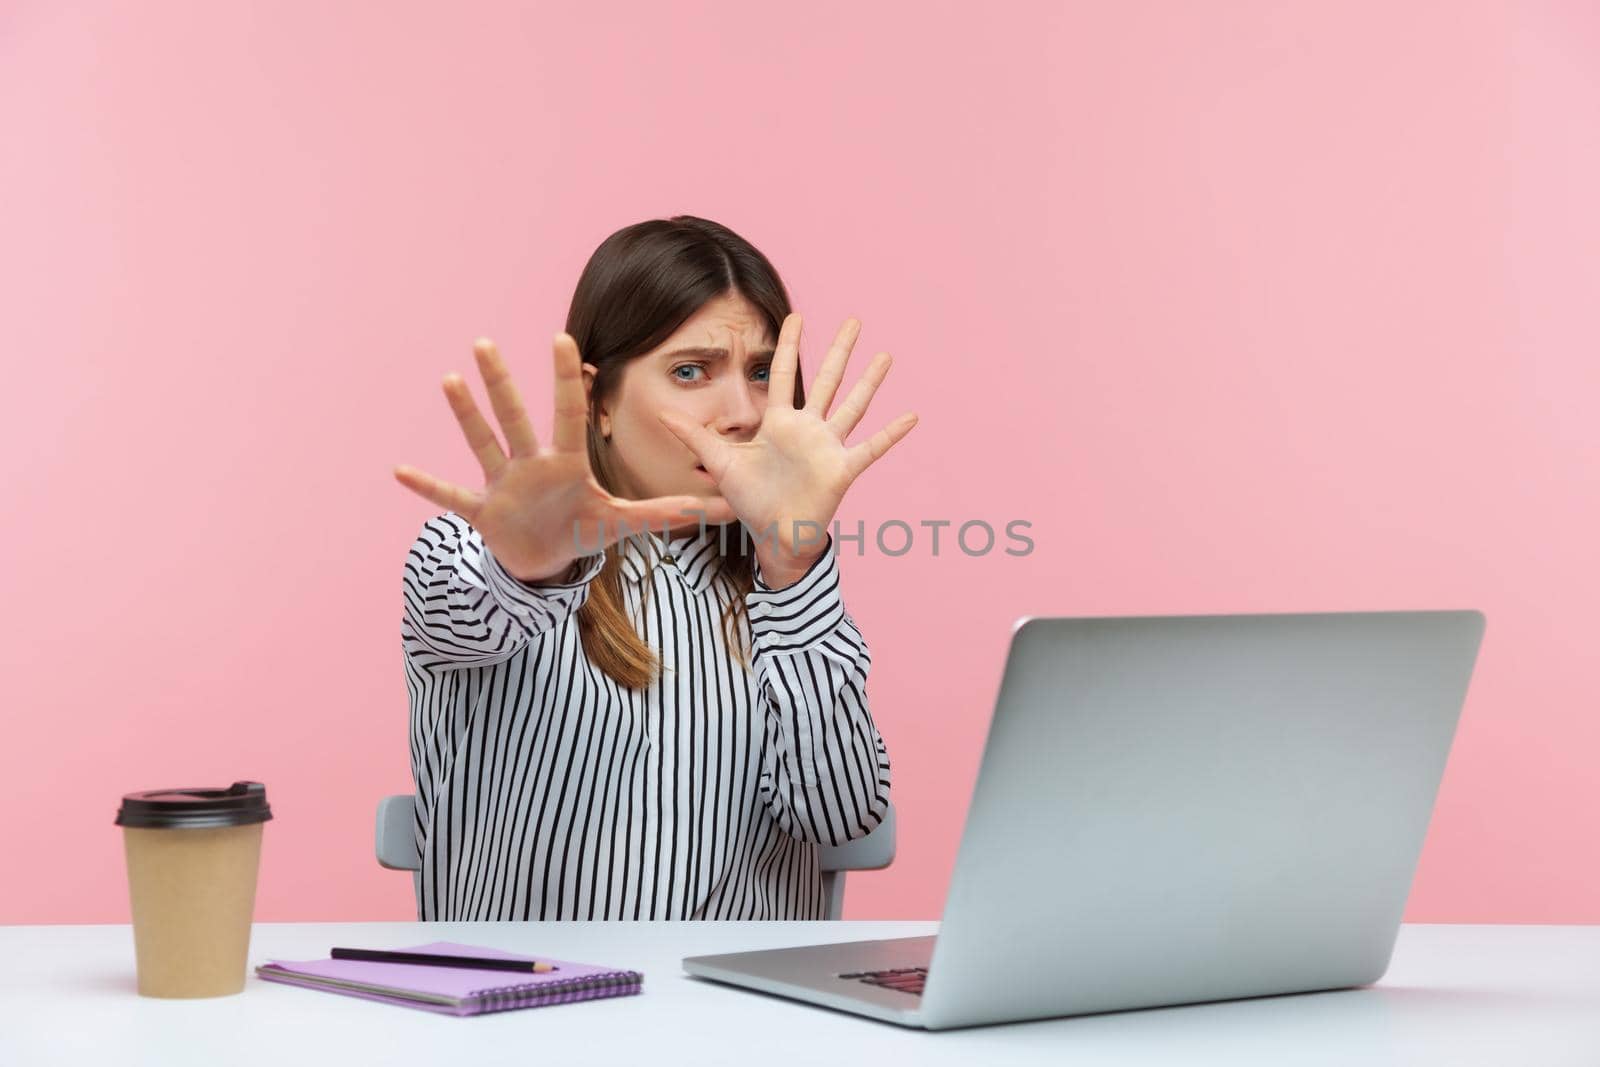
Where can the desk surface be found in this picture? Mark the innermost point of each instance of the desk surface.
(1452, 995)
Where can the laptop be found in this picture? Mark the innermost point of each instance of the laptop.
(1172, 810)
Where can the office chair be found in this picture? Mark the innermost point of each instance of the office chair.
(397, 850)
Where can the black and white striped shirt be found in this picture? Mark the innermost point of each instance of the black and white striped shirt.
(545, 790)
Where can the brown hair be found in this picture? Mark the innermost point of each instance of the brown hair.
(639, 286)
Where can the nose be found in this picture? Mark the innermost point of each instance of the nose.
(738, 410)
(739, 413)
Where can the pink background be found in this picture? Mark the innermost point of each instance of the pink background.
(1245, 306)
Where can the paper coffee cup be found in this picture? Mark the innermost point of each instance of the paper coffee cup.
(193, 855)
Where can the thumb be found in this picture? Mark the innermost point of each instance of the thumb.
(706, 446)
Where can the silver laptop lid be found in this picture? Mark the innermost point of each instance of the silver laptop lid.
(1186, 808)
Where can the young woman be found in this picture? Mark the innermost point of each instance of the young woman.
(635, 690)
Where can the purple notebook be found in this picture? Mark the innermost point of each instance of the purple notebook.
(456, 990)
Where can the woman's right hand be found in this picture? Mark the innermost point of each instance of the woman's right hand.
(541, 508)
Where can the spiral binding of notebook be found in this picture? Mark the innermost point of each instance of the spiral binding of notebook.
(592, 987)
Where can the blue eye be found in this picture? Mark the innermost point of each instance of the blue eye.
(762, 372)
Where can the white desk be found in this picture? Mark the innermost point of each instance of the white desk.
(1453, 995)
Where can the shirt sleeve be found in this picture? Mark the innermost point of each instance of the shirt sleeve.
(825, 771)
(463, 609)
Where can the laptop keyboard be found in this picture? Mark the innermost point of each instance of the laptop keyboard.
(905, 979)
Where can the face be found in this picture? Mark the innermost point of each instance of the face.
(713, 370)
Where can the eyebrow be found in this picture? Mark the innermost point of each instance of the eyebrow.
(716, 353)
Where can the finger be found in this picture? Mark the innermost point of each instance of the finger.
(480, 435)
(855, 404)
(713, 452)
(716, 509)
(463, 502)
(785, 363)
(820, 395)
(671, 510)
(571, 432)
(875, 447)
(514, 421)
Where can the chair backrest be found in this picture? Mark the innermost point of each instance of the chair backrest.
(397, 842)
(397, 850)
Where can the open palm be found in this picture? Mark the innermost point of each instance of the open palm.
(796, 469)
(541, 508)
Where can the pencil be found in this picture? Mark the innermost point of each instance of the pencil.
(486, 963)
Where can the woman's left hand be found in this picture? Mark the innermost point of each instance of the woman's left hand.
(786, 483)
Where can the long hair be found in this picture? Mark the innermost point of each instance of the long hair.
(639, 286)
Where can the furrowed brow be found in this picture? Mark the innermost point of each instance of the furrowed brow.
(715, 353)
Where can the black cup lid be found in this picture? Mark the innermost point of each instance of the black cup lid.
(241, 804)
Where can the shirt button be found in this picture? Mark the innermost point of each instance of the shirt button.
(668, 560)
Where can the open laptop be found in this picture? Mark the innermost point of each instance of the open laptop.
(1171, 810)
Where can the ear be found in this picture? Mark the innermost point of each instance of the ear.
(589, 372)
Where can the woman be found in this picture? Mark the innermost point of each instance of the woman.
(624, 706)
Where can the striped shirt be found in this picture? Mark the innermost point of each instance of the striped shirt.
(545, 790)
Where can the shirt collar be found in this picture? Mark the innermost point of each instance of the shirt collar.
(696, 556)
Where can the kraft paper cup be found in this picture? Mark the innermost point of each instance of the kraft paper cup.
(193, 856)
